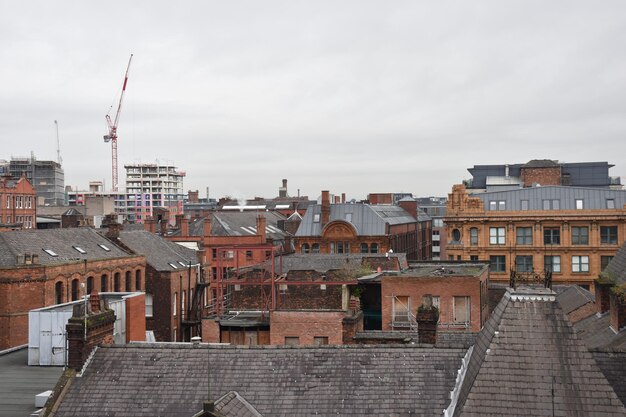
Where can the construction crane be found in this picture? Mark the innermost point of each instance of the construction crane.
(112, 136)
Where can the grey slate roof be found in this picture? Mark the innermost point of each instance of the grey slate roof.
(235, 223)
(617, 267)
(171, 380)
(159, 252)
(234, 405)
(613, 365)
(595, 332)
(593, 198)
(573, 297)
(367, 219)
(527, 361)
(61, 242)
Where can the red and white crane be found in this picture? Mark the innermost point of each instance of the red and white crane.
(112, 136)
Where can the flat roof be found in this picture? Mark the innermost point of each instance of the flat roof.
(442, 269)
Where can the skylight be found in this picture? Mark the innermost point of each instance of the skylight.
(182, 264)
(80, 250)
(172, 265)
(106, 248)
(50, 252)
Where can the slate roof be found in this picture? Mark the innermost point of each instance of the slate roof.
(527, 361)
(617, 267)
(613, 365)
(573, 297)
(234, 405)
(322, 262)
(368, 219)
(235, 223)
(159, 252)
(595, 332)
(62, 242)
(171, 379)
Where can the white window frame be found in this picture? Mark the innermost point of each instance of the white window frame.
(149, 305)
(497, 235)
(580, 263)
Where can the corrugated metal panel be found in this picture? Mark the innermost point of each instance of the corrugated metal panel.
(593, 198)
(46, 337)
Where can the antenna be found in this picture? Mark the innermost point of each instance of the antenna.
(59, 159)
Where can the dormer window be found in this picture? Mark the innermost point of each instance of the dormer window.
(106, 248)
(80, 250)
(316, 218)
(51, 252)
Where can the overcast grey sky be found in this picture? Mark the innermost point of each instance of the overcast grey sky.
(350, 96)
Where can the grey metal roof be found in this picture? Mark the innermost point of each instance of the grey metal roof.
(528, 361)
(62, 242)
(573, 297)
(367, 219)
(593, 198)
(160, 253)
(173, 380)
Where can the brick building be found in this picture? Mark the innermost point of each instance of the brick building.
(174, 288)
(365, 228)
(40, 268)
(573, 232)
(18, 204)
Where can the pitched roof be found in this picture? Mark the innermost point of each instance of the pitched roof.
(235, 223)
(160, 253)
(613, 366)
(595, 332)
(172, 380)
(528, 361)
(573, 297)
(617, 267)
(77, 243)
(234, 405)
(367, 219)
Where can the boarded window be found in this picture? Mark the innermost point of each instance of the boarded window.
(462, 309)
(292, 340)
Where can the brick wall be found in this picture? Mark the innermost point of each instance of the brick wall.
(136, 318)
(99, 330)
(618, 313)
(306, 325)
(543, 176)
(582, 312)
(210, 331)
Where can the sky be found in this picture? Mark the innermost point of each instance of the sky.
(354, 97)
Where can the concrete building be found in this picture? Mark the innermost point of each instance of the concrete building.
(149, 186)
(18, 208)
(47, 177)
(571, 232)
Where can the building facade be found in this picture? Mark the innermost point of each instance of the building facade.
(47, 177)
(18, 204)
(572, 232)
(149, 186)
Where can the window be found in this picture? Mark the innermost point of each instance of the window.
(546, 204)
(579, 204)
(610, 203)
(374, 248)
(248, 255)
(524, 235)
(493, 205)
(79, 249)
(524, 263)
(349, 217)
(473, 236)
(149, 305)
(315, 248)
(401, 310)
(304, 248)
(437, 222)
(497, 205)
(58, 292)
(320, 340)
(75, 292)
(364, 248)
(316, 218)
(604, 262)
(214, 253)
(292, 340)
(497, 263)
(104, 283)
(138, 280)
(551, 236)
(174, 306)
(182, 304)
(106, 248)
(552, 263)
(524, 204)
(461, 310)
(551, 204)
(608, 235)
(580, 264)
(496, 235)
(580, 235)
(51, 252)
(116, 282)
(456, 235)
(128, 281)
(89, 285)
(474, 258)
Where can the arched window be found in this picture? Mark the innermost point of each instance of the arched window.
(58, 293)
(364, 248)
(473, 236)
(182, 304)
(315, 248)
(138, 280)
(89, 285)
(305, 248)
(129, 281)
(374, 248)
(116, 282)
(104, 283)
(75, 290)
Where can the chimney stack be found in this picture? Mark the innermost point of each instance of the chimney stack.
(325, 208)
(206, 231)
(149, 225)
(410, 206)
(260, 228)
(113, 232)
(343, 198)
(618, 313)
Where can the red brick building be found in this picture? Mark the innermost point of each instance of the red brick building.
(18, 204)
(363, 228)
(40, 268)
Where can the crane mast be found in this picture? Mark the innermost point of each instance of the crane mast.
(112, 125)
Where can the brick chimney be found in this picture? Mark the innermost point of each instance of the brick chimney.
(618, 312)
(114, 228)
(149, 224)
(260, 228)
(282, 191)
(410, 206)
(343, 198)
(182, 223)
(206, 231)
(337, 199)
(603, 297)
(99, 331)
(427, 317)
(325, 208)
(193, 196)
